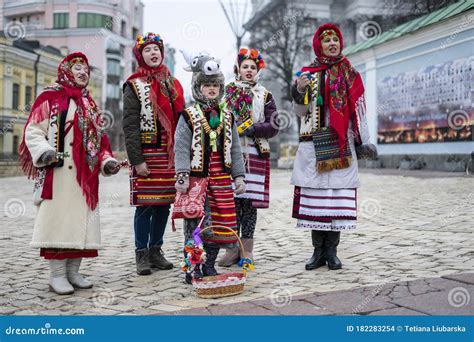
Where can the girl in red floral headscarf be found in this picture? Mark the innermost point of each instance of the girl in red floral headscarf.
(152, 101)
(329, 97)
(64, 148)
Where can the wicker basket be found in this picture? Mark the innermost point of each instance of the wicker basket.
(222, 285)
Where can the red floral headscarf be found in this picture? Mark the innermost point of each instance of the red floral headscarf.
(344, 85)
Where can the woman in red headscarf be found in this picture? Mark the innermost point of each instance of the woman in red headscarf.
(64, 148)
(329, 97)
(152, 101)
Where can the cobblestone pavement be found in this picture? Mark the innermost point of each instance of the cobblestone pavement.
(410, 228)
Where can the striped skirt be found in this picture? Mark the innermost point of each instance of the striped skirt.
(220, 196)
(325, 209)
(158, 188)
(257, 177)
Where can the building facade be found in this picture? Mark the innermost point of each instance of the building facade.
(26, 67)
(104, 30)
(419, 80)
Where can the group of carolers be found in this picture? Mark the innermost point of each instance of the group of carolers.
(223, 137)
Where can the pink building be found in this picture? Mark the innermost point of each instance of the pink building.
(104, 30)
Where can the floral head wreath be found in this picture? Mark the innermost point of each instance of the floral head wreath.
(146, 38)
(252, 54)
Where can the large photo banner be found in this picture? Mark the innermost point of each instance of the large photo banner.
(431, 104)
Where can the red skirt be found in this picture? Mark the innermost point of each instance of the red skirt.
(221, 201)
(64, 253)
(158, 188)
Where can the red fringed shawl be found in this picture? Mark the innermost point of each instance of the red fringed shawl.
(343, 86)
(90, 144)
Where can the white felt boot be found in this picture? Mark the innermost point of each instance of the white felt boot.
(58, 280)
(76, 279)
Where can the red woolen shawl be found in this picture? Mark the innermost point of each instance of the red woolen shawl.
(166, 94)
(343, 85)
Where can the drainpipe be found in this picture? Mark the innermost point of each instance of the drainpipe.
(36, 75)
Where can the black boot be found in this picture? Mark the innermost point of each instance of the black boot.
(318, 259)
(330, 246)
(142, 258)
(208, 268)
(158, 260)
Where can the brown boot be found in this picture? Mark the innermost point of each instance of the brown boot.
(248, 247)
(230, 257)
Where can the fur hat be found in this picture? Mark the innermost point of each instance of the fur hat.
(206, 70)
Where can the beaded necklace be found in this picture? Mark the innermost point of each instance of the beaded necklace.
(213, 133)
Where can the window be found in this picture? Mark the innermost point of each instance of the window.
(16, 96)
(28, 91)
(123, 28)
(113, 91)
(94, 20)
(113, 67)
(61, 20)
(16, 139)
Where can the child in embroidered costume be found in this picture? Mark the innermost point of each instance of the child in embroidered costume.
(64, 148)
(257, 120)
(208, 145)
(329, 97)
(152, 102)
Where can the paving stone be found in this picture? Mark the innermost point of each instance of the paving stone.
(239, 309)
(463, 277)
(401, 311)
(433, 240)
(297, 308)
(347, 302)
(452, 301)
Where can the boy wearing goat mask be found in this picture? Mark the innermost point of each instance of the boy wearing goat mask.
(208, 146)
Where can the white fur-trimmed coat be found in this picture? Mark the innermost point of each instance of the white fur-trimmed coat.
(65, 221)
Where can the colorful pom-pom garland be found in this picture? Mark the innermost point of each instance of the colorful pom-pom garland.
(252, 54)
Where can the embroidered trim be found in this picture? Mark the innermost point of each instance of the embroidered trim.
(148, 124)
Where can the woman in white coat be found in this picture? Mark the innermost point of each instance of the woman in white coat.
(64, 148)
